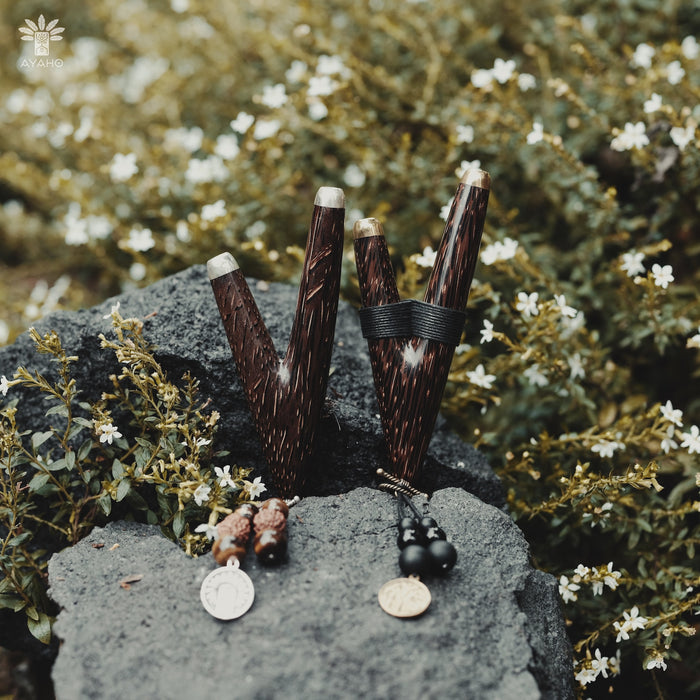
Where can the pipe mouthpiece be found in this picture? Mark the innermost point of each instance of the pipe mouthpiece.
(221, 265)
(330, 197)
(477, 178)
(364, 228)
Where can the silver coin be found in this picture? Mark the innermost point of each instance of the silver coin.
(227, 593)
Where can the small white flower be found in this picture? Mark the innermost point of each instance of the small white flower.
(690, 48)
(208, 530)
(296, 72)
(534, 376)
(242, 122)
(445, 210)
(567, 589)
(480, 378)
(586, 676)
(622, 631)
(633, 136)
(254, 488)
(209, 169)
(427, 258)
(137, 271)
(462, 348)
(188, 139)
(201, 442)
(4, 385)
(482, 78)
(487, 332)
(614, 663)
(122, 167)
(265, 128)
(502, 70)
(201, 494)
(108, 432)
(354, 176)
(210, 212)
(274, 96)
(597, 587)
(653, 104)
(576, 367)
(317, 110)
(694, 342)
(668, 443)
(321, 86)
(606, 448)
(465, 134)
(663, 276)
(500, 250)
(641, 58)
(526, 82)
(674, 72)
(656, 661)
(682, 137)
(227, 146)
(537, 133)
(582, 571)
(140, 240)
(673, 415)
(633, 620)
(564, 310)
(527, 304)
(224, 476)
(632, 263)
(691, 440)
(113, 310)
(331, 65)
(600, 664)
(611, 577)
(467, 165)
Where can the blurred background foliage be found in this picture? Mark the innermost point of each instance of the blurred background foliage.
(171, 131)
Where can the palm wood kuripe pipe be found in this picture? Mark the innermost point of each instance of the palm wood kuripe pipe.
(410, 373)
(285, 395)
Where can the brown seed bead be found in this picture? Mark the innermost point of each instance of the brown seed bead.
(235, 525)
(269, 519)
(270, 546)
(225, 548)
(276, 504)
(247, 510)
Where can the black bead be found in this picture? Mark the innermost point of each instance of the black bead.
(409, 536)
(427, 522)
(407, 523)
(435, 533)
(443, 556)
(415, 560)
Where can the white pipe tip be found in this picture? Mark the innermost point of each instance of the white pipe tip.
(221, 265)
(331, 197)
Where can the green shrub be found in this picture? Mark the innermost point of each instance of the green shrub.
(137, 157)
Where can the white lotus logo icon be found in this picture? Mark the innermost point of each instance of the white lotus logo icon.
(41, 34)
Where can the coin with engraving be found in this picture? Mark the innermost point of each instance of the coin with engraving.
(227, 593)
(404, 597)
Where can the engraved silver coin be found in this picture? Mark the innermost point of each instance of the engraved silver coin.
(227, 593)
(404, 597)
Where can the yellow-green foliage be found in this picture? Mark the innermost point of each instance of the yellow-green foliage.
(136, 158)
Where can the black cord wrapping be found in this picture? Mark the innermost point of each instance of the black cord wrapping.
(413, 318)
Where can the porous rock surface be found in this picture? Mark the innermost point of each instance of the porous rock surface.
(493, 631)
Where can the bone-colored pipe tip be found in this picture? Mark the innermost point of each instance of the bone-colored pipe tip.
(477, 178)
(221, 265)
(364, 228)
(331, 197)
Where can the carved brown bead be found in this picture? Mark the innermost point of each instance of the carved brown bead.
(269, 520)
(270, 546)
(247, 510)
(227, 547)
(234, 525)
(276, 504)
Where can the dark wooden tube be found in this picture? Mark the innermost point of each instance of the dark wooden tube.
(285, 395)
(410, 373)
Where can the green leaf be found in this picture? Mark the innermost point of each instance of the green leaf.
(8, 601)
(38, 481)
(39, 439)
(57, 465)
(32, 613)
(19, 539)
(122, 490)
(75, 430)
(84, 450)
(105, 502)
(41, 627)
(117, 469)
(179, 523)
(60, 410)
(79, 420)
(70, 460)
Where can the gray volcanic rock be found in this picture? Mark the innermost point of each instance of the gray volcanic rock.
(181, 318)
(494, 630)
